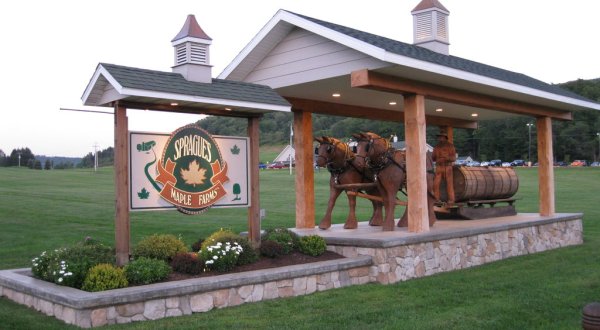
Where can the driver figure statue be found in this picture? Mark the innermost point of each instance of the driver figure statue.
(444, 156)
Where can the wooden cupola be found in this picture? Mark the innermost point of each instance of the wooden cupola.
(430, 26)
(191, 47)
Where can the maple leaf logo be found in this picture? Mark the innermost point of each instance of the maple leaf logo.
(194, 174)
(144, 194)
(235, 150)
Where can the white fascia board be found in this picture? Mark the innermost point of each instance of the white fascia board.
(298, 21)
(100, 71)
(483, 80)
(206, 100)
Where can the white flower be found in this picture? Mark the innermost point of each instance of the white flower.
(209, 262)
(61, 272)
(60, 280)
(215, 257)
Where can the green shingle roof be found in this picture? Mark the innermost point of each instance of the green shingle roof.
(454, 62)
(170, 82)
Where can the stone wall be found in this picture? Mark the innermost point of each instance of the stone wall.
(403, 262)
(200, 295)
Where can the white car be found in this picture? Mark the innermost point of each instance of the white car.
(484, 164)
(505, 164)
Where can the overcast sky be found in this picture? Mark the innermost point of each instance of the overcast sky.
(50, 50)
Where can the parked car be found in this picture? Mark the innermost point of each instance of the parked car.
(517, 162)
(595, 164)
(495, 162)
(277, 165)
(473, 163)
(505, 164)
(579, 163)
(485, 163)
(262, 166)
(561, 164)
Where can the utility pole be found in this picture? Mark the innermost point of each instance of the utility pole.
(19, 159)
(598, 134)
(529, 148)
(95, 156)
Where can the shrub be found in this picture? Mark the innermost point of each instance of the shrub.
(197, 246)
(313, 245)
(248, 254)
(271, 249)
(187, 263)
(104, 277)
(147, 270)
(221, 257)
(284, 237)
(69, 266)
(163, 247)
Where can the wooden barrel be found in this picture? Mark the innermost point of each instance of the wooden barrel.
(484, 183)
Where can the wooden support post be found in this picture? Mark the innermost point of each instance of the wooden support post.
(416, 165)
(305, 188)
(546, 166)
(121, 187)
(254, 208)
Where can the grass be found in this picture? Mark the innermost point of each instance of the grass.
(41, 210)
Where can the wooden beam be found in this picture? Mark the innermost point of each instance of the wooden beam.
(305, 188)
(387, 83)
(254, 209)
(416, 165)
(338, 109)
(546, 166)
(122, 235)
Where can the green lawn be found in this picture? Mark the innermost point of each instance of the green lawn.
(46, 209)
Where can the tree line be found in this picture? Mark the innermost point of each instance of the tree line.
(505, 139)
(25, 157)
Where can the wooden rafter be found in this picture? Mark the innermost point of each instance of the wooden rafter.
(337, 109)
(387, 83)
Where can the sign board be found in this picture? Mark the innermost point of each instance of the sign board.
(189, 170)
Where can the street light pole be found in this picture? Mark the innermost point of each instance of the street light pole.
(598, 134)
(529, 147)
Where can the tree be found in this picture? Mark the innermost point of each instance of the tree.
(25, 154)
(47, 164)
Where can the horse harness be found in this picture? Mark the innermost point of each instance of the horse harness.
(348, 158)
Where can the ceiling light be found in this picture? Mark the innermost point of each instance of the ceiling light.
(439, 110)
(174, 104)
(336, 94)
(228, 109)
(393, 103)
(474, 115)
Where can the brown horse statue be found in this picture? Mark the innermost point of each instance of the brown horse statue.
(389, 166)
(339, 160)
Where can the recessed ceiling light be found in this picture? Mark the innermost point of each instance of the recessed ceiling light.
(174, 103)
(336, 94)
(393, 103)
(228, 109)
(474, 115)
(439, 110)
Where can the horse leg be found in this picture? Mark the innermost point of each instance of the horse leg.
(404, 220)
(389, 203)
(377, 217)
(333, 195)
(351, 222)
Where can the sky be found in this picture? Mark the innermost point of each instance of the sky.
(50, 49)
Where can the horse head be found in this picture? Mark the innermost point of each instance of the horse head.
(370, 147)
(332, 151)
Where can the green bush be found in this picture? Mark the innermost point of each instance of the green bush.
(287, 239)
(313, 245)
(221, 257)
(271, 249)
(147, 270)
(69, 266)
(104, 277)
(187, 263)
(163, 247)
(248, 254)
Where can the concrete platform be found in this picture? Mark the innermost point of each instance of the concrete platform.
(369, 236)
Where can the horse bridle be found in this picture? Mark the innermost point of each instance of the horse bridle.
(329, 159)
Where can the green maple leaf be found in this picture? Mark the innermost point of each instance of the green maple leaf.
(235, 150)
(143, 194)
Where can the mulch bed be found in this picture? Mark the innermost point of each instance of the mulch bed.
(295, 258)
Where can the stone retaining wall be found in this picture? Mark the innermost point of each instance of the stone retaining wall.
(160, 300)
(403, 262)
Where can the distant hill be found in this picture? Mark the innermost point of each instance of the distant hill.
(59, 161)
